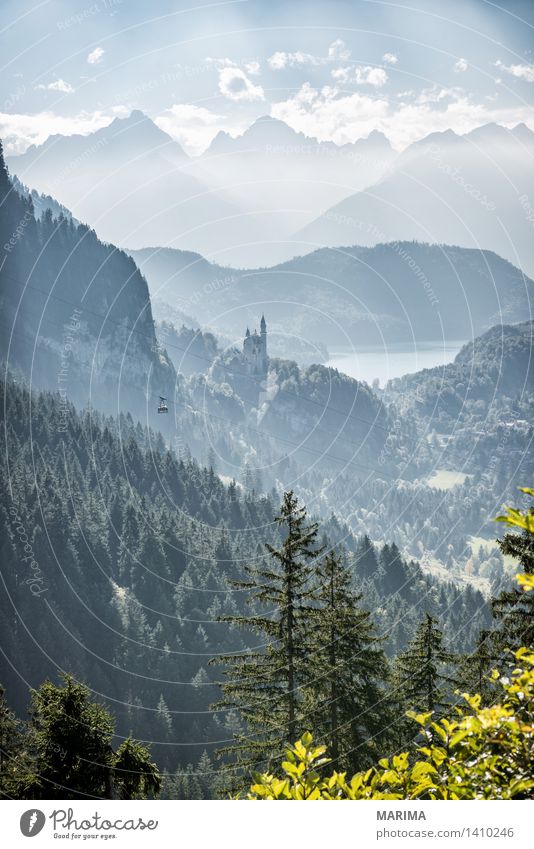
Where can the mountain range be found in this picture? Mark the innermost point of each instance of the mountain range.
(396, 292)
(474, 191)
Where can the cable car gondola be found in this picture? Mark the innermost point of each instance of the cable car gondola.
(162, 406)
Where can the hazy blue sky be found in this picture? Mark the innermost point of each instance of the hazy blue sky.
(333, 69)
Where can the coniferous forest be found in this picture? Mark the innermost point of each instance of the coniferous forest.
(221, 624)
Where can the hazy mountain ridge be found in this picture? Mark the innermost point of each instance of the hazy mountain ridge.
(284, 193)
(354, 295)
(473, 190)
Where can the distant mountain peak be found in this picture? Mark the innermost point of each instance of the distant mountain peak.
(488, 132)
(268, 129)
(376, 138)
(264, 130)
(523, 132)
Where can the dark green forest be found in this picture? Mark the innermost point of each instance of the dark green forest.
(138, 553)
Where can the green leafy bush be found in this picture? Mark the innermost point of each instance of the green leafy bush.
(481, 753)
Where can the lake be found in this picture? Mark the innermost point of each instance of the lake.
(374, 361)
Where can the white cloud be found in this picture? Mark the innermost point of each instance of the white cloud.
(193, 126)
(524, 72)
(361, 75)
(460, 65)
(332, 115)
(220, 63)
(95, 56)
(280, 60)
(338, 50)
(435, 94)
(342, 75)
(327, 116)
(371, 76)
(235, 85)
(19, 131)
(390, 58)
(57, 85)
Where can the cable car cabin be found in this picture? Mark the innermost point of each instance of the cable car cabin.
(162, 406)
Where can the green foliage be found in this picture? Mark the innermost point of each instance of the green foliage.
(11, 748)
(513, 609)
(66, 751)
(515, 518)
(480, 753)
(134, 774)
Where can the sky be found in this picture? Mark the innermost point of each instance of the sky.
(333, 70)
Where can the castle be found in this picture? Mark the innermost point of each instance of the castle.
(255, 350)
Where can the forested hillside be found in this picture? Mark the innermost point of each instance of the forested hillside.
(495, 369)
(396, 291)
(76, 312)
(118, 558)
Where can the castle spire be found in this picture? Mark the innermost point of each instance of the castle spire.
(263, 324)
(247, 333)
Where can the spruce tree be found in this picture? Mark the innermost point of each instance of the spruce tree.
(70, 740)
(266, 684)
(347, 695)
(11, 748)
(514, 609)
(421, 670)
(474, 670)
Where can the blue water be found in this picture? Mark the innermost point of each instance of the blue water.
(370, 362)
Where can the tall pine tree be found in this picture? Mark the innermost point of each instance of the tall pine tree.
(474, 670)
(347, 695)
(421, 671)
(266, 684)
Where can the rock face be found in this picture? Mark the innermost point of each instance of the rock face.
(76, 313)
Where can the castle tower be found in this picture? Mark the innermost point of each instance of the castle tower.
(255, 350)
